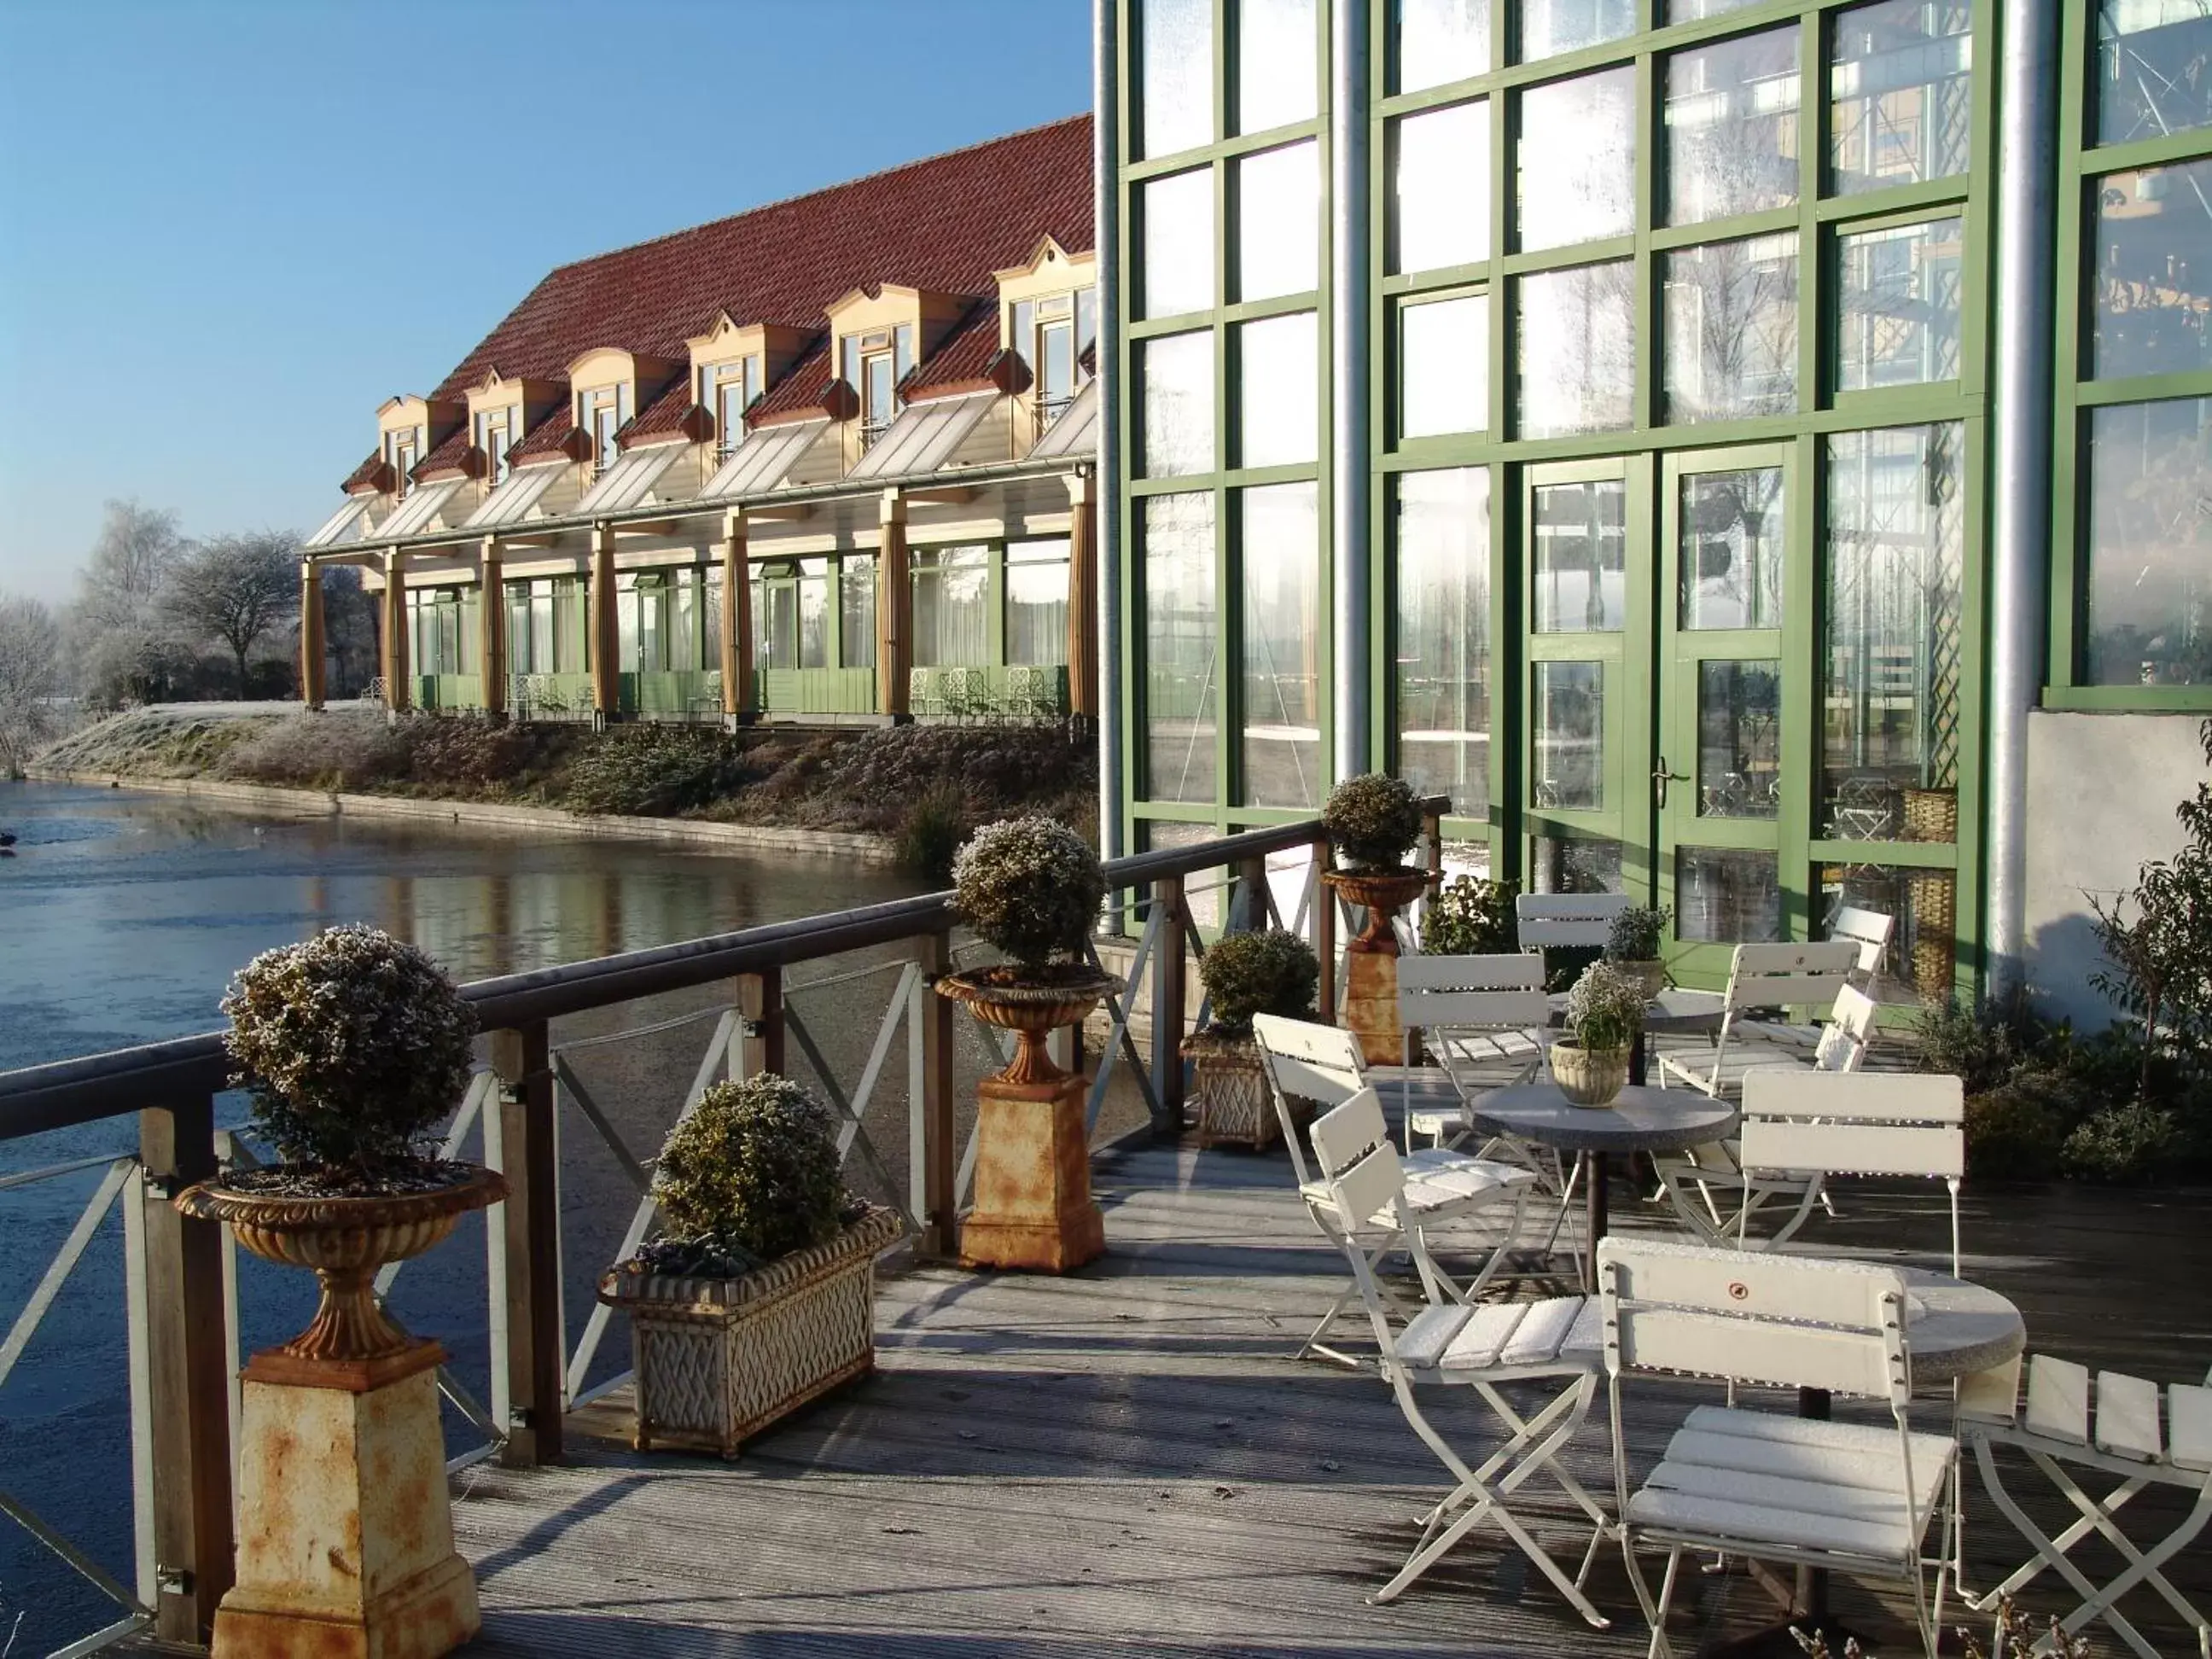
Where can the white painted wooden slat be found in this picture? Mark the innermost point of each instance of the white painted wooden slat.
(1663, 1511)
(2127, 1417)
(1516, 972)
(1485, 1337)
(1426, 1337)
(2058, 1399)
(1785, 990)
(1430, 1011)
(1861, 1455)
(1546, 1328)
(1340, 1134)
(1824, 957)
(2188, 1424)
(1755, 1351)
(1853, 1148)
(1737, 1285)
(1993, 1395)
(1878, 1500)
(1883, 1097)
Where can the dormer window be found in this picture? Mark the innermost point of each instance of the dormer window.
(873, 366)
(494, 434)
(726, 390)
(403, 449)
(1051, 335)
(603, 411)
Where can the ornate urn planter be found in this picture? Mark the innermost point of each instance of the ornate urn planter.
(719, 1359)
(1589, 1077)
(345, 1542)
(1033, 1203)
(1370, 992)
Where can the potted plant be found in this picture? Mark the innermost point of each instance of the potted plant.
(1604, 1022)
(1373, 821)
(1032, 887)
(1270, 972)
(1472, 917)
(760, 1294)
(355, 1046)
(1633, 946)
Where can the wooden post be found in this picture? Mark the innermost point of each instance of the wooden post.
(760, 1005)
(738, 699)
(606, 638)
(396, 690)
(311, 663)
(893, 610)
(188, 1368)
(1252, 888)
(491, 623)
(1432, 832)
(1083, 596)
(940, 1149)
(1322, 915)
(1168, 962)
(536, 1367)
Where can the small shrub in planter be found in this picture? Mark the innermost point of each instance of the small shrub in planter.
(760, 1295)
(1604, 1022)
(1373, 821)
(1635, 934)
(1473, 917)
(1273, 972)
(1032, 887)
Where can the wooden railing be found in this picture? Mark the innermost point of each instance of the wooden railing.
(183, 1320)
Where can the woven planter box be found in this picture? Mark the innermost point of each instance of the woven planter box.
(1231, 1083)
(720, 1359)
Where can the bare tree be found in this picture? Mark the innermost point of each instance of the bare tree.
(30, 679)
(120, 586)
(237, 589)
(349, 628)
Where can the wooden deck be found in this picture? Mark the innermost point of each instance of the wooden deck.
(1128, 1459)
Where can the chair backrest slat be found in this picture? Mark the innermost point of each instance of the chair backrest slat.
(1545, 920)
(1864, 1097)
(1514, 971)
(1869, 930)
(1313, 1062)
(1849, 1029)
(1767, 1353)
(1437, 1011)
(1854, 1123)
(1368, 1185)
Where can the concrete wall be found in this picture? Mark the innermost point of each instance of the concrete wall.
(2102, 793)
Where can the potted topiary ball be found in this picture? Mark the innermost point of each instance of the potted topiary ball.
(1373, 822)
(760, 1294)
(1472, 917)
(1604, 1022)
(1633, 946)
(1270, 972)
(355, 1046)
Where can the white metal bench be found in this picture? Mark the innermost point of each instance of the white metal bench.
(2110, 1423)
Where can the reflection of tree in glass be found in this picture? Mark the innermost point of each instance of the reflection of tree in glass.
(1732, 127)
(1732, 330)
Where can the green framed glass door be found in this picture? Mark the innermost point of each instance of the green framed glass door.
(1720, 791)
(1586, 577)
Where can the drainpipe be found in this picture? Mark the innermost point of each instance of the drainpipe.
(1349, 481)
(1105, 132)
(2020, 535)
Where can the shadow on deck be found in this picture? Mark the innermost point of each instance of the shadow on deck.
(1129, 1458)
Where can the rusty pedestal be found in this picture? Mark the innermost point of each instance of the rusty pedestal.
(345, 1541)
(1371, 977)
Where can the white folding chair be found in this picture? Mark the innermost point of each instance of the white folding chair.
(1475, 1347)
(1763, 975)
(1868, 930)
(2114, 1428)
(1855, 1498)
(1842, 1049)
(1475, 1013)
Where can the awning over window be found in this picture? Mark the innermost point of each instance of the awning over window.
(1075, 434)
(630, 479)
(345, 524)
(925, 436)
(763, 460)
(522, 491)
(412, 516)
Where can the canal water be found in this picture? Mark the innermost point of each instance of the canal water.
(122, 916)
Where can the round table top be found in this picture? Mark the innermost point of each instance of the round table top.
(1673, 1012)
(1955, 1328)
(1640, 1120)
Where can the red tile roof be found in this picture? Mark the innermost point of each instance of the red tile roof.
(452, 459)
(966, 360)
(944, 224)
(373, 474)
(801, 392)
(670, 412)
(553, 435)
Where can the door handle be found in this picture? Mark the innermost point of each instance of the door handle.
(1661, 777)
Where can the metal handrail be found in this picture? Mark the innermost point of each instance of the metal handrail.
(63, 1093)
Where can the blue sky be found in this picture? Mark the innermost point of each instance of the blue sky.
(230, 228)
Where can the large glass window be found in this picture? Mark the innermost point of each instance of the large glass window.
(1893, 647)
(1439, 41)
(496, 435)
(1575, 162)
(1277, 78)
(1177, 373)
(1443, 645)
(1900, 93)
(2152, 57)
(1728, 897)
(603, 411)
(1178, 230)
(1443, 367)
(2150, 544)
(1440, 197)
(2153, 271)
(1279, 222)
(1577, 349)
(1568, 735)
(1278, 381)
(1183, 638)
(1579, 583)
(856, 611)
(1176, 99)
(814, 613)
(1549, 27)
(1898, 292)
(951, 607)
(1732, 127)
(1731, 344)
(1281, 563)
(1037, 601)
(1729, 562)
(1739, 761)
